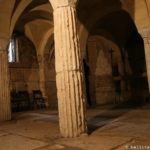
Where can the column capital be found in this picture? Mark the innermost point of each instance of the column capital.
(145, 32)
(3, 43)
(64, 3)
(146, 40)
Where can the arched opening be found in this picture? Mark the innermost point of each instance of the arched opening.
(23, 75)
(118, 28)
(104, 61)
(114, 68)
(27, 19)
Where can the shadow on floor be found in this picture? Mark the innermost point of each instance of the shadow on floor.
(106, 117)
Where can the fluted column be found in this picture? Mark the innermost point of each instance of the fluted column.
(5, 105)
(147, 57)
(145, 34)
(69, 73)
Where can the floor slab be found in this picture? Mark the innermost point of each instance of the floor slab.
(14, 142)
(109, 129)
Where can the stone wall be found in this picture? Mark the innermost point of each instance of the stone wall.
(24, 73)
(24, 79)
(105, 91)
(100, 75)
(50, 79)
(104, 84)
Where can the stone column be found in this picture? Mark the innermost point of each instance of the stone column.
(42, 82)
(145, 34)
(5, 105)
(69, 72)
(147, 57)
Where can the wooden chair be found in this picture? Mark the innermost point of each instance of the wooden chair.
(20, 100)
(38, 99)
(14, 101)
(24, 100)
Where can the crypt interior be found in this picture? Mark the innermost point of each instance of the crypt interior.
(74, 74)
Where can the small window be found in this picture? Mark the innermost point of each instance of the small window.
(13, 50)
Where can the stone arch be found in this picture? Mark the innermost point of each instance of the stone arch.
(100, 67)
(84, 32)
(19, 10)
(47, 69)
(33, 15)
(21, 7)
(102, 40)
(48, 35)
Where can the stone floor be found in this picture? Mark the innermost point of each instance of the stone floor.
(109, 129)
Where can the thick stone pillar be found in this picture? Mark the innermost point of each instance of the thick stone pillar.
(145, 33)
(69, 72)
(147, 57)
(5, 105)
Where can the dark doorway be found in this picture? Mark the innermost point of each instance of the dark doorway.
(87, 84)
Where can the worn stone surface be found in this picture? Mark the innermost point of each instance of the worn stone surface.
(109, 129)
(147, 57)
(5, 112)
(69, 73)
(12, 142)
(93, 17)
(63, 3)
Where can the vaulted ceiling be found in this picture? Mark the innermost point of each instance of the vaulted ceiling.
(34, 18)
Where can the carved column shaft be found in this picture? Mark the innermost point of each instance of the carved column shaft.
(69, 73)
(147, 58)
(145, 33)
(5, 105)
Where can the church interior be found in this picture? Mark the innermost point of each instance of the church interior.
(74, 74)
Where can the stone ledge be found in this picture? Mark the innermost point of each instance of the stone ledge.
(64, 3)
